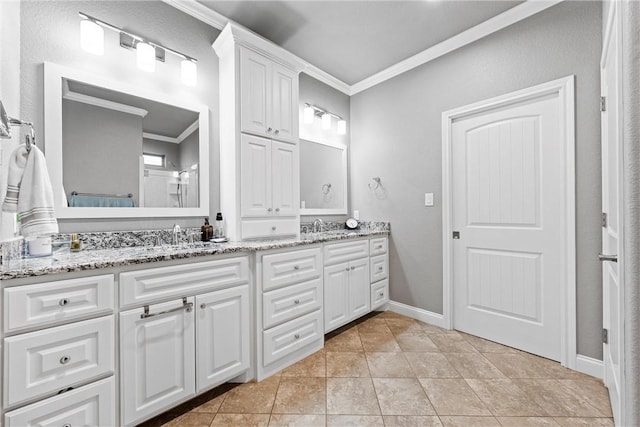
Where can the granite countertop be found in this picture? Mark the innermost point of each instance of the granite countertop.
(65, 261)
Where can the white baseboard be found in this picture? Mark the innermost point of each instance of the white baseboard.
(434, 319)
(590, 366)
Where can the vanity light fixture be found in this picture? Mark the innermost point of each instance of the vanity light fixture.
(313, 110)
(147, 52)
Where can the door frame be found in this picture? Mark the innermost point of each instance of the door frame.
(564, 88)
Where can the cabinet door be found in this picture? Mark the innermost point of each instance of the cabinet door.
(284, 183)
(285, 104)
(255, 176)
(336, 296)
(359, 288)
(223, 335)
(157, 359)
(255, 92)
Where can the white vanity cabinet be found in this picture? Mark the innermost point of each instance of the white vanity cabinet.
(379, 274)
(269, 97)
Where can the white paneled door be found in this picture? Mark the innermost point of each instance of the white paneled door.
(508, 210)
(612, 277)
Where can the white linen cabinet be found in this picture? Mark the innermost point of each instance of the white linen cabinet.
(259, 158)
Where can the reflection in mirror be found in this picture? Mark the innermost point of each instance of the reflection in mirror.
(323, 178)
(117, 147)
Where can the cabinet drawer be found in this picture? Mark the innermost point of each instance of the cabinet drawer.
(379, 293)
(378, 246)
(155, 284)
(37, 305)
(285, 339)
(269, 227)
(379, 268)
(53, 359)
(288, 303)
(287, 268)
(346, 251)
(91, 405)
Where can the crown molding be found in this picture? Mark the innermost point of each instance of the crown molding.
(99, 102)
(188, 131)
(162, 138)
(490, 26)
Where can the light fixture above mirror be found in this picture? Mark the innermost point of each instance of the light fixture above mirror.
(310, 111)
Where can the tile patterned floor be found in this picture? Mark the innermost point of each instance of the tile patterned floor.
(390, 370)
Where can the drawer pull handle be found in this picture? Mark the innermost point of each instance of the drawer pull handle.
(277, 209)
(380, 268)
(353, 268)
(297, 336)
(64, 360)
(64, 390)
(66, 425)
(381, 294)
(296, 267)
(187, 306)
(277, 131)
(203, 306)
(379, 247)
(296, 302)
(269, 129)
(63, 302)
(269, 209)
(347, 268)
(273, 228)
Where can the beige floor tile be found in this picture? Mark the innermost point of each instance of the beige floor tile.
(388, 314)
(453, 397)
(527, 421)
(592, 391)
(251, 398)
(431, 365)
(402, 396)
(556, 400)
(311, 366)
(389, 365)
(504, 398)
(344, 364)
(300, 396)
(449, 343)
(289, 420)
(241, 420)
(355, 421)
(486, 346)
(192, 419)
(416, 341)
(379, 342)
(211, 406)
(473, 365)
(516, 365)
(436, 330)
(404, 326)
(373, 324)
(591, 422)
(450, 421)
(348, 340)
(351, 396)
(551, 368)
(411, 421)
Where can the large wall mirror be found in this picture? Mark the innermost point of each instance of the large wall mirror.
(323, 178)
(116, 151)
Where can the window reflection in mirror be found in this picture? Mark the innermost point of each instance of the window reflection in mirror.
(323, 178)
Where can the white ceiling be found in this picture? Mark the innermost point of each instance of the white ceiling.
(353, 40)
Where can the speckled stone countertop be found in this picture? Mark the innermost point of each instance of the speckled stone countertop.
(64, 261)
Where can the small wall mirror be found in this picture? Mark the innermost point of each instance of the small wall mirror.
(120, 151)
(323, 178)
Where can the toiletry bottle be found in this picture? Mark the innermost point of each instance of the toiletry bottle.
(75, 244)
(207, 230)
(219, 231)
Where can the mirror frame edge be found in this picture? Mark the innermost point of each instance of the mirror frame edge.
(52, 102)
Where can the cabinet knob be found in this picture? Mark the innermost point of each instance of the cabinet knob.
(353, 268)
(296, 267)
(347, 269)
(273, 228)
(277, 131)
(277, 209)
(203, 306)
(380, 268)
(381, 294)
(64, 360)
(63, 302)
(379, 247)
(297, 302)
(269, 129)
(66, 425)
(297, 336)
(269, 209)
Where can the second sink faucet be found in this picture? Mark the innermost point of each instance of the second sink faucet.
(318, 225)
(176, 234)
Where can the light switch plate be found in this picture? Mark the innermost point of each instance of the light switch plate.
(428, 199)
(356, 215)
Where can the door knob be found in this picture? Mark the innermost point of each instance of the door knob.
(612, 258)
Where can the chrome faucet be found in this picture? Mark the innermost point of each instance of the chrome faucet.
(176, 234)
(318, 223)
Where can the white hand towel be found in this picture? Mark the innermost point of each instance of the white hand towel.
(35, 199)
(17, 163)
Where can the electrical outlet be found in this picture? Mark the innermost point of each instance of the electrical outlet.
(428, 199)
(356, 215)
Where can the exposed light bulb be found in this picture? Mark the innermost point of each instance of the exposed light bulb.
(91, 37)
(308, 115)
(342, 127)
(189, 72)
(326, 121)
(146, 57)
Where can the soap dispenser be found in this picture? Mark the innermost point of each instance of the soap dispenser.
(219, 231)
(207, 230)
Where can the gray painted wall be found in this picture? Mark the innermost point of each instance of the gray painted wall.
(49, 31)
(396, 135)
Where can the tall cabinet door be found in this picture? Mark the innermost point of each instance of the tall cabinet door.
(285, 105)
(157, 359)
(255, 95)
(223, 335)
(285, 164)
(336, 296)
(255, 178)
(359, 288)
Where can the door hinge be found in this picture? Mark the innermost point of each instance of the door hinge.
(603, 220)
(603, 103)
(605, 336)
